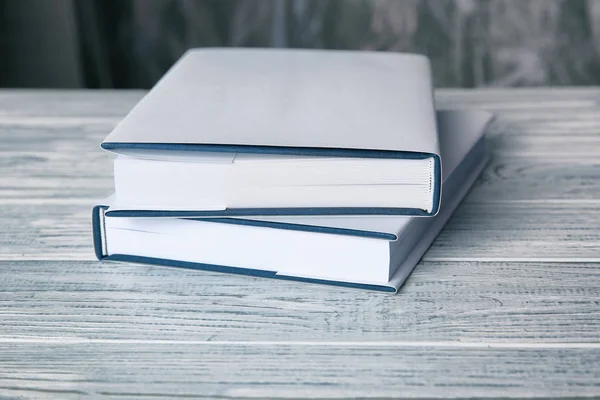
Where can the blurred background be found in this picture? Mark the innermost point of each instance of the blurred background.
(131, 43)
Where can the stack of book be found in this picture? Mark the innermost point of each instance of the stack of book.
(310, 165)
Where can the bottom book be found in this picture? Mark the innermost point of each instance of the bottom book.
(367, 252)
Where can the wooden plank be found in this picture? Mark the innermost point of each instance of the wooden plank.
(454, 302)
(537, 122)
(570, 134)
(477, 231)
(55, 176)
(519, 99)
(51, 106)
(41, 231)
(566, 121)
(516, 94)
(545, 147)
(232, 370)
(59, 176)
(518, 140)
(66, 104)
(515, 231)
(523, 168)
(576, 183)
(562, 121)
(65, 162)
(75, 138)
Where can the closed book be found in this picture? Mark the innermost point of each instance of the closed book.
(232, 132)
(369, 252)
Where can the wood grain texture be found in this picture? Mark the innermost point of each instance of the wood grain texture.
(63, 162)
(454, 302)
(520, 231)
(483, 231)
(49, 105)
(231, 371)
(59, 177)
(504, 304)
(42, 104)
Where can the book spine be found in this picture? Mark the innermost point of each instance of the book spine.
(98, 231)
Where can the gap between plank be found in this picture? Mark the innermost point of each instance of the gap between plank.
(13, 258)
(91, 202)
(570, 260)
(364, 344)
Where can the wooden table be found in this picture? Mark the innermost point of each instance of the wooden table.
(506, 303)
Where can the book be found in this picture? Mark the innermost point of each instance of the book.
(369, 252)
(231, 132)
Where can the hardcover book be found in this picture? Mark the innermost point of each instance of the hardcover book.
(240, 132)
(370, 252)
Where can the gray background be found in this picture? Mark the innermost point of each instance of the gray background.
(131, 43)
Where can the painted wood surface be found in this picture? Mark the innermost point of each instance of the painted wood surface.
(213, 370)
(466, 302)
(506, 302)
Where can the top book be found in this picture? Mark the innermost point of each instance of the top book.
(266, 131)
